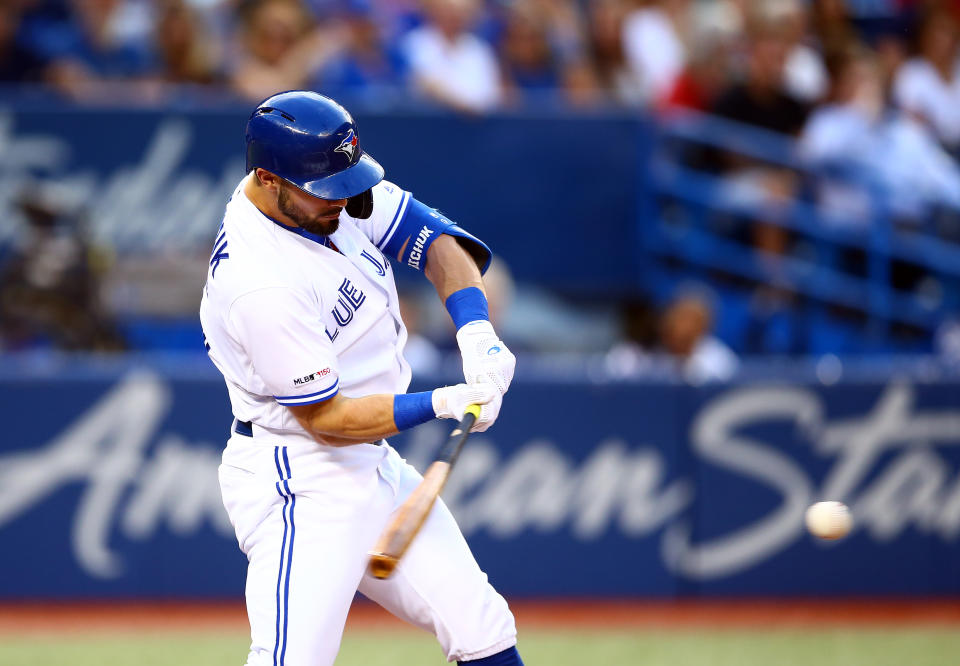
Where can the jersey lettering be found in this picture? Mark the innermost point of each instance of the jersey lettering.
(219, 251)
(352, 294)
(381, 267)
(349, 301)
(342, 312)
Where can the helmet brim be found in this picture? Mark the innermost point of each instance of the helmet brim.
(353, 180)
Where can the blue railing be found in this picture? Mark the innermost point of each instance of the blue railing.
(683, 234)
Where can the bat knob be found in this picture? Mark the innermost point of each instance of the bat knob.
(381, 565)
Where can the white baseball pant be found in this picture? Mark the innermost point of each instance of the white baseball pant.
(306, 517)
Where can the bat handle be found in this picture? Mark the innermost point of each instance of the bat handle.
(382, 565)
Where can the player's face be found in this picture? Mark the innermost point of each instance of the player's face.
(318, 216)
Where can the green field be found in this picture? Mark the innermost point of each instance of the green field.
(874, 647)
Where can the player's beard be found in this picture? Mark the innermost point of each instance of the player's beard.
(314, 225)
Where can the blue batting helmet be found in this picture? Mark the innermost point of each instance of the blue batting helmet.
(310, 141)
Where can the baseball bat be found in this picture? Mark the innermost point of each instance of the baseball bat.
(399, 534)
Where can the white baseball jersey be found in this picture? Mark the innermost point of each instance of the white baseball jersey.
(289, 320)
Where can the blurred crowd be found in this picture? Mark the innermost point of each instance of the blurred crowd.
(869, 86)
(765, 62)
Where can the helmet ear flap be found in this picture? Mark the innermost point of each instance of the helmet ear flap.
(360, 206)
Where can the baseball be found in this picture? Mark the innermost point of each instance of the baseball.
(829, 520)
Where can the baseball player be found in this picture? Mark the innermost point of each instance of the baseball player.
(300, 315)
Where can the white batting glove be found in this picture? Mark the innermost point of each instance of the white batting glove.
(450, 402)
(485, 356)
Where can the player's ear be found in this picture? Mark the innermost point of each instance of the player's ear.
(266, 179)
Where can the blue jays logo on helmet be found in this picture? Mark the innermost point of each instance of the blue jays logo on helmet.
(349, 145)
(310, 141)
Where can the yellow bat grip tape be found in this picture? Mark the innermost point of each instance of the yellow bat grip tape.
(473, 409)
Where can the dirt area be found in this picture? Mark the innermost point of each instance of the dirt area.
(35, 617)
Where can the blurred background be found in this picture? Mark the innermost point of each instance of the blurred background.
(728, 258)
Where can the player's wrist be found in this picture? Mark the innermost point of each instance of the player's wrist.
(475, 339)
(412, 409)
(467, 306)
(476, 327)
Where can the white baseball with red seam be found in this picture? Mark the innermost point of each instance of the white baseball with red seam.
(829, 520)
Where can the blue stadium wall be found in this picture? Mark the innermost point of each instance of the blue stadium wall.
(152, 181)
(108, 485)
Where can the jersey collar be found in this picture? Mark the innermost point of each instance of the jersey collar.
(322, 240)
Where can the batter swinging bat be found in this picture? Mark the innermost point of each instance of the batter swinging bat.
(398, 535)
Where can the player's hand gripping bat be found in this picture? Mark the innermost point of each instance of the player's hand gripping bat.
(398, 535)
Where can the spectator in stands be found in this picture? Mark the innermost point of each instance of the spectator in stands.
(565, 26)
(716, 28)
(95, 44)
(653, 41)
(527, 55)
(581, 85)
(17, 64)
(367, 64)
(760, 99)
(450, 65)
(685, 335)
(832, 29)
(928, 85)
(606, 51)
(892, 52)
(804, 72)
(567, 34)
(883, 148)
(680, 339)
(186, 50)
(281, 48)
(844, 131)
(49, 292)
(542, 51)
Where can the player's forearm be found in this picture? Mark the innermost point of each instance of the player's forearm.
(450, 268)
(343, 421)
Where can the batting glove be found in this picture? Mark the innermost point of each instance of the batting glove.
(486, 358)
(450, 402)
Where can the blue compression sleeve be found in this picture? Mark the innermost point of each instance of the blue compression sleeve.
(467, 305)
(412, 409)
(419, 227)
